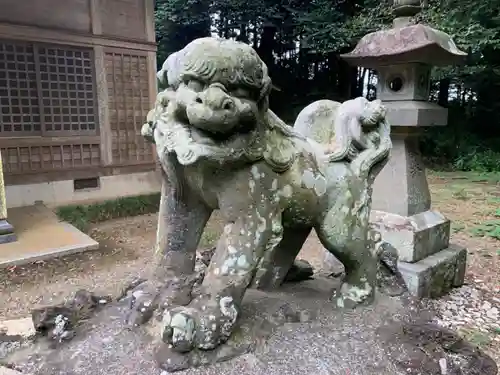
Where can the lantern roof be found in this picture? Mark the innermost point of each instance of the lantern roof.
(408, 44)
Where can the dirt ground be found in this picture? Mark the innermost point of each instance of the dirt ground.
(472, 202)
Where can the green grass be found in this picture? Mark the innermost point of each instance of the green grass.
(82, 216)
(489, 228)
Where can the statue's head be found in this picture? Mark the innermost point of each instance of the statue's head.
(220, 85)
(215, 104)
(373, 112)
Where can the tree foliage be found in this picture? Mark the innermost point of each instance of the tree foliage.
(300, 41)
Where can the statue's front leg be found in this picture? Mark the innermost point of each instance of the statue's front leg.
(181, 221)
(210, 319)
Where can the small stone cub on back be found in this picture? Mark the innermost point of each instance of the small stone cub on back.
(355, 128)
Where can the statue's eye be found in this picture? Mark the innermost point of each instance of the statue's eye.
(194, 84)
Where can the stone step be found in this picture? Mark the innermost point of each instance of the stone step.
(415, 237)
(436, 274)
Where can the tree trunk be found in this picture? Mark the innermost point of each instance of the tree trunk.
(444, 92)
(266, 46)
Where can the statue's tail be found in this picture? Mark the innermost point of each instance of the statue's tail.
(316, 121)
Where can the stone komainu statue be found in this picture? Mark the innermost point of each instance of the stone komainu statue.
(220, 147)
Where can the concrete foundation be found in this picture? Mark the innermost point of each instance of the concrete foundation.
(41, 236)
(56, 193)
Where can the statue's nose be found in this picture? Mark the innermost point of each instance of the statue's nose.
(215, 97)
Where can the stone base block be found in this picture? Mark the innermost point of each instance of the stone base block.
(437, 274)
(415, 237)
(7, 232)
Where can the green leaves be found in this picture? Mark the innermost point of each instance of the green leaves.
(332, 26)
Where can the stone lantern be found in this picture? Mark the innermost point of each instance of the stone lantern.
(403, 57)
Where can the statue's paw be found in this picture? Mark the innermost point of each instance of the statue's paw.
(350, 296)
(203, 326)
(147, 131)
(178, 328)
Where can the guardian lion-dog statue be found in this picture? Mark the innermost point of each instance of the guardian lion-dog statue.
(221, 147)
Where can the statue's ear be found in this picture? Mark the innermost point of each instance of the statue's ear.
(169, 75)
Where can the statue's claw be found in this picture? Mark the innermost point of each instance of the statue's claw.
(204, 326)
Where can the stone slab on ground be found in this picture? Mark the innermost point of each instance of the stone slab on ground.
(326, 342)
(437, 274)
(41, 235)
(8, 371)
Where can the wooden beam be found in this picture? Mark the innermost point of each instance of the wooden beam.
(149, 12)
(103, 106)
(95, 17)
(47, 141)
(153, 87)
(36, 34)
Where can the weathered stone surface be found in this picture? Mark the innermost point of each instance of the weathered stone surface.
(415, 237)
(331, 266)
(378, 339)
(59, 322)
(299, 271)
(389, 279)
(435, 275)
(413, 43)
(220, 147)
(416, 114)
(401, 188)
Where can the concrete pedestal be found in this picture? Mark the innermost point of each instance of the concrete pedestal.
(401, 213)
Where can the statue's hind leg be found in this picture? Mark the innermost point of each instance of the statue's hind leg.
(276, 263)
(345, 235)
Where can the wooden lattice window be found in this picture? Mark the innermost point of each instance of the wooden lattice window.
(67, 85)
(46, 90)
(129, 102)
(19, 102)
